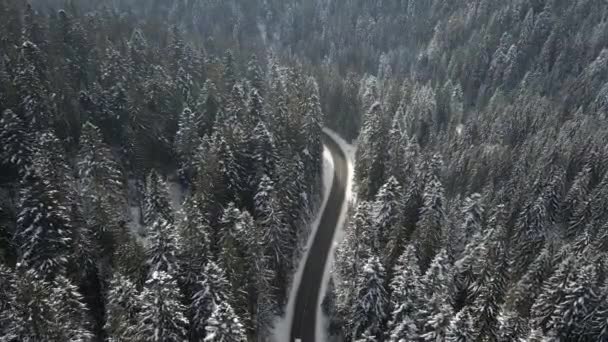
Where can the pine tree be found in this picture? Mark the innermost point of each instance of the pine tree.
(44, 311)
(397, 143)
(569, 318)
(162, 315)
(553, 292)
(264, 154)
(122, 307)
(211, 291)
(224, 325)
(369, 170)
(429, 228)
(270, 222)
(187, 141)
(101, 185)
(405, 296)
(16, 142)
(372, 299)
(45, 233)
(162, 248)
(72, 317)
(32, 83)
(511, 326)
(195, 244)
(436, 309)
(387, 209)
(156, 200)
(461, 327)
(255, 75)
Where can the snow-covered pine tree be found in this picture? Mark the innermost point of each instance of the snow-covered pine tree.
(162, 248)
(387, 218)
(15, 140)
(264, 154)
(44, 311)
(523, 294)
(212, 289)
(369, 170)
(194, 245)
(371, 302)
(511, 326)
(311, 129)
(436, 310)
(404, 296)
(187, 141)
(232, 259)
(122, 306)
(162, 316)
(255, 75)
(101, 185)
(31, 80)
(45, 233)
(156, 199)
(569, 319)
(397, 144)
(429, 228)
(224, 325)
(553, 292)
(270, 223)
(461, 327)
(72, 316)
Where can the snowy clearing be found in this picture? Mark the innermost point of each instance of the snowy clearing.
(282, 326)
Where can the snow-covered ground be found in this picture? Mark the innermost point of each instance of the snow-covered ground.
(349, 150)
(282, 324)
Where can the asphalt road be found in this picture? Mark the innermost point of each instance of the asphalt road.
(307, 300)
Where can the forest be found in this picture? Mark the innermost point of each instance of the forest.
(161, 163)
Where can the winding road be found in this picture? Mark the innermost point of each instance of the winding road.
(307, 301)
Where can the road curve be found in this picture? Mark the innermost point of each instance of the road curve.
(307, 299)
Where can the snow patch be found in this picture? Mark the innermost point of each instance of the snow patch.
(282, 326)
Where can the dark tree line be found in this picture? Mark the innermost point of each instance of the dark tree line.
(156, 186)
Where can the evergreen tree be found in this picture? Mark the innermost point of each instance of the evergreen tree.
(162, 315)
(429, 228)
(211, 292)
(371, 304)
(122, 307)
(436, 309)
(16, 142)
(461, 327)
(224, 325)
(45, 233)
(162, 248)
(569, 318)
(156, 200)
(405, 296)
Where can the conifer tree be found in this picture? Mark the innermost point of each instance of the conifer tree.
(122, 307)
(162, 316)
(429, 228)
(372, 299)
(405, 296)
(461, 327)
(224, 325)
(162, 248)
(156, 200)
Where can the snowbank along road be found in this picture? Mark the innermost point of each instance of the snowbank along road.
(307, 300)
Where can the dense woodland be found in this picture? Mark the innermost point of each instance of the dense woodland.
(154, 188)
(480, 172)
(481, 180)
